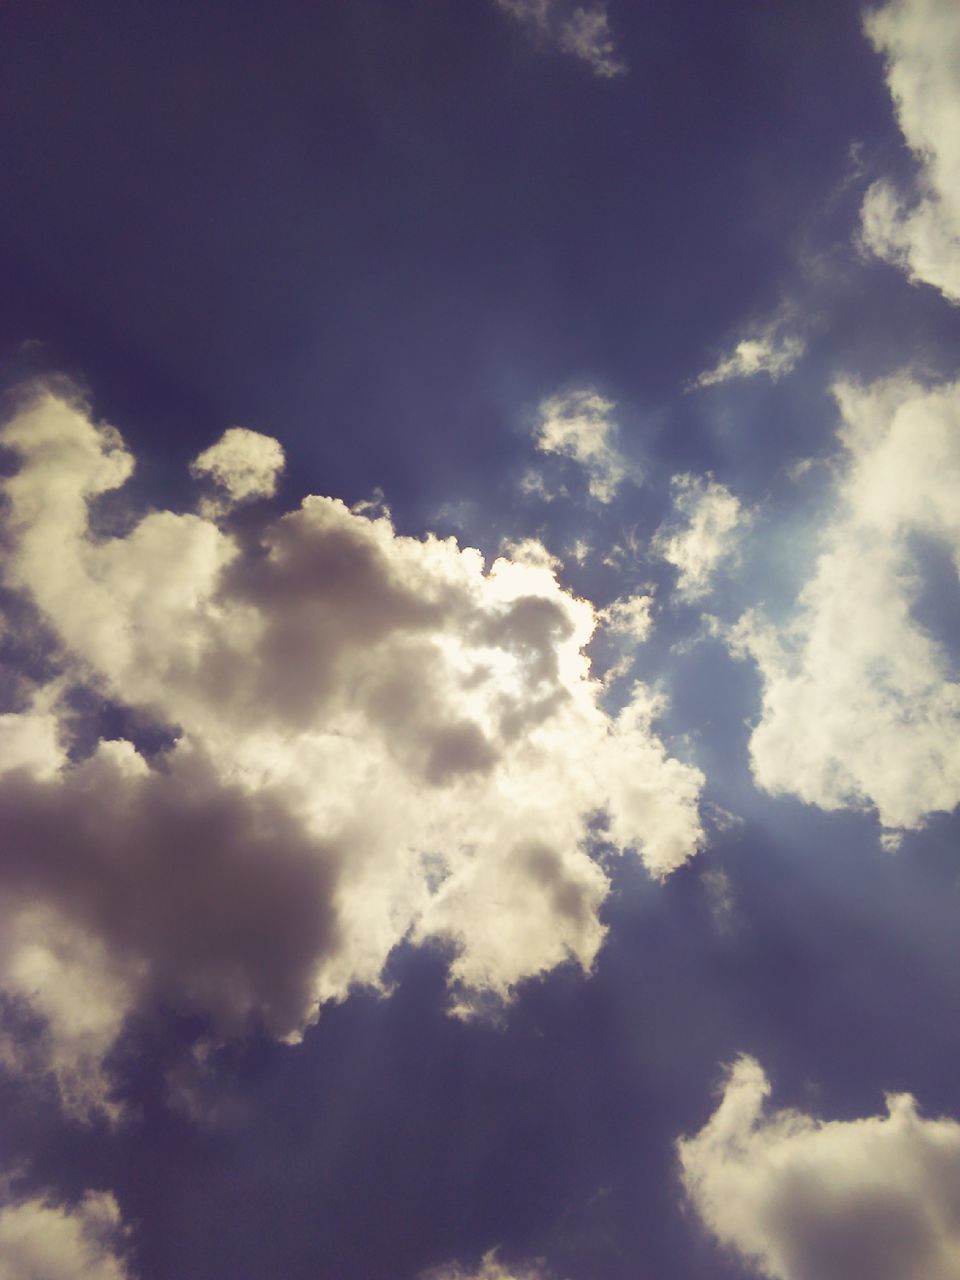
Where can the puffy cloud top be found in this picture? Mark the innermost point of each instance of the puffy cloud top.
(243, 463)
(859, 707)
(920, 231)
(808, 1199)
(376, 737)
(43, 1241)
(581, 30)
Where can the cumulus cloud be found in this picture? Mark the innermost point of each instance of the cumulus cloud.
(858, 704)
(807, 1199)
(771, 351)
(490, 1269)
(919, 230)
(40, 1240)
(703, 532)
(583, 31)
(580, 425)
(374, 737)
(243, 465)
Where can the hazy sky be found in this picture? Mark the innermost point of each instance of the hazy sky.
(479, 704)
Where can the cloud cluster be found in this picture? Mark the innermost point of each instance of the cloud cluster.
(704, 531)
(580, 425)
(375, 737)
(859, 707)
(40, 1240)
(582, 31)
(807, 1199)
(920, 231)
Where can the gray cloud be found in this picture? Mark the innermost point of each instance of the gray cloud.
(375, 737)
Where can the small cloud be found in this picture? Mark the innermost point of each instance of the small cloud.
(704, 532)
(770, 352)
(243, 465)
(629, 618)
(584, 31)
(719, 890)
(580, 425)
(628, 622)
(534, 484)
(491, 1268)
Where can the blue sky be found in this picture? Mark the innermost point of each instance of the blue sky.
(479, 728)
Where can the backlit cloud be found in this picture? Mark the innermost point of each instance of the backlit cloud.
(374, 737)
(859, 707)
(919, 230)
(801, 1198)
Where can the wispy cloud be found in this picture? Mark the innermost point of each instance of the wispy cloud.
(581, 425)
(582, 31)
(344, 702)
(771, 350)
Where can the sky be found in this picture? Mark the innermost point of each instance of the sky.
(479, 640)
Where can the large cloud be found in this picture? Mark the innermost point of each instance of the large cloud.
(920, 232)
(859, 707)
(40, 1240)
(807, 1199)
(376, 737)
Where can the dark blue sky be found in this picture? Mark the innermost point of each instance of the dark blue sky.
(384, 232)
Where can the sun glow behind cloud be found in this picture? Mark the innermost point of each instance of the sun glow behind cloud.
(350, 700)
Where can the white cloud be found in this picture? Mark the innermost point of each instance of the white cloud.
(243, 464)
(629, 618)
(770, 351)
(920, 231)
(490, 1269)
(378, 737)
(580, 425)
(704, 531)
(808, 1199)
(40, 1240)
(858, 705)
(583, 31)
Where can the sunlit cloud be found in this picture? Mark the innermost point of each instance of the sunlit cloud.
(918, 229)
(375, 737)
(859, 707)
(798, 1197)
